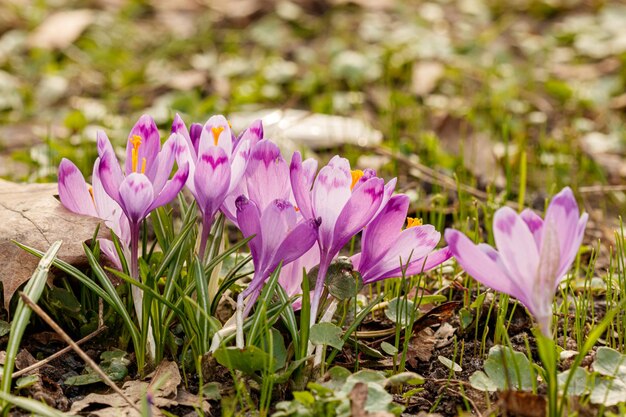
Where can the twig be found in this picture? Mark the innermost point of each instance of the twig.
(45, 317)
(57, 354)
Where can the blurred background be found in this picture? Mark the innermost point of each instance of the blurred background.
(485, 93)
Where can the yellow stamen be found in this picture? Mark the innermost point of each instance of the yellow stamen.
(412, 222)
(91, 192)
(143, 165)
(217, 131)
(356, 176)
(136, 142)
(229, 125)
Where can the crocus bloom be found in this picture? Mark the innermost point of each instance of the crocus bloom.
(79, 197)
(387, 251)
(532, 257)
(345, 201)
(280, 235)
(145, 184)
(216, 165)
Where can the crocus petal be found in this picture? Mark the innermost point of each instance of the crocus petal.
(103, 143)
(165, 161)
(409, 246)
(383, 231)
(267, 174)
(357, 212)
(534, 223)
(516, 246)
(481, 266)
(195, 132)
(298, 241)
(563, 213)
(136, 196)
(211, 180)
(331, 192)
(74, 191)
(277, 219)
(249, 220)
(238, 163)
(291, 274)
(147, 130)
(107, 247)
(110, 175)
(568, 258)
(216, 128)
(178, 126)
(172, 188)
(185, 155)
(107, 208)
(416, 266)
(300, 184)
(253, 134)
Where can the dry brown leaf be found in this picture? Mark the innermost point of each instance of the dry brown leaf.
(163, 386)
(61, 29)
(29, 214)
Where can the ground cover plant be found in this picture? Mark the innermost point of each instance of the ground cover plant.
(465, 256)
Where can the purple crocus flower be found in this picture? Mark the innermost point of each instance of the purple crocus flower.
(280, 235)
(145, 184)
(345, 201)
(532, 257)
(387, 251)
(81, 198)
(216, 164)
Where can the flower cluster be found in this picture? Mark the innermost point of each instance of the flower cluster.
(300, 218)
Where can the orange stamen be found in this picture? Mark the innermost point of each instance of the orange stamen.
(217, 131)
(356, 176)
(136, 142)
(412, 222)
(91, 192)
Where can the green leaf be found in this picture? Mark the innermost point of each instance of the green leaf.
(608, 392)
(326, 334)
(388, 348)
(610, 362)
(578, 383)
(26, 381)
(410, 378)
(508, 369)
(482, 382)
(5, 328)
(449, 364)
(248, 360)
(399, 310)
(212, 391)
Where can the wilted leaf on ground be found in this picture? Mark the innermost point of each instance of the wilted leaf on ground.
(61, 29)
(29, 214)
(163, 385)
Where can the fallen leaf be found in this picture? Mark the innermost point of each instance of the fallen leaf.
(29, 214)
(421, 347)
(437, 315)
(61, 29)
(163, 386)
